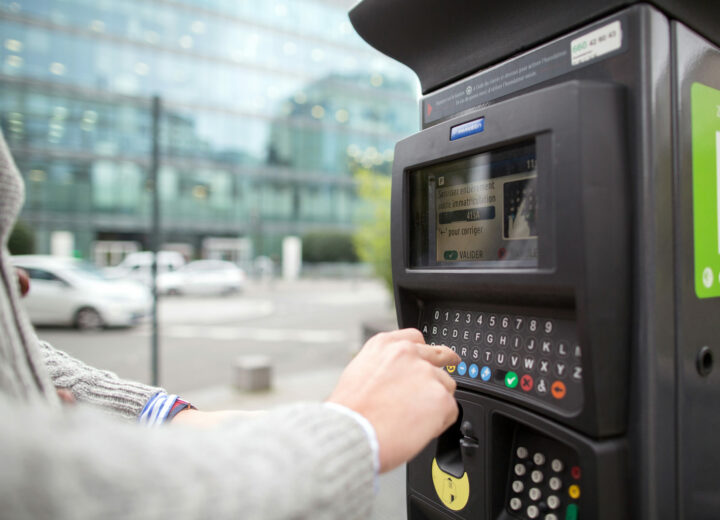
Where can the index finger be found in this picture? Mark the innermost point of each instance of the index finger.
(438, 355)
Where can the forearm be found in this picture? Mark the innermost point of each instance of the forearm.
(305, 461)
(200, 419)
(96, 387)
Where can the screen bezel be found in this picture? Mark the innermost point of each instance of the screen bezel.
(423, 235)
(545, 213)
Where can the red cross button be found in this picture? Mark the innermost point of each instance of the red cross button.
(526, 382)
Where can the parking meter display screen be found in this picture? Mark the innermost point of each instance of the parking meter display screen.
(478, 211)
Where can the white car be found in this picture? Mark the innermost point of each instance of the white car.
(138, 266)
(67, 291)
(203, 277)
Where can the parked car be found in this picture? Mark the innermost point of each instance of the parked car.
(203, 277)
(67, 291)
(138, 266)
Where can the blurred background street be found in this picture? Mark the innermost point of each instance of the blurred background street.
(305, 326)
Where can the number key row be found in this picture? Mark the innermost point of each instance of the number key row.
(492, 320)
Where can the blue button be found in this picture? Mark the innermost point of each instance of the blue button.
(471, 127)
(485, 373)
(473, 371)
(462, 368)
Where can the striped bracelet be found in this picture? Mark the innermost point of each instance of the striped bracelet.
(161, 408)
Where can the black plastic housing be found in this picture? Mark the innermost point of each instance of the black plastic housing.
(443, 42)
(604, 472)
(584, 241)
(669, 357)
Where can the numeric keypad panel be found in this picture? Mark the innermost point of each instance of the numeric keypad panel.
(545, 479)
(537, 357)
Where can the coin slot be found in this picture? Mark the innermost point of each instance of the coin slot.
(449, 456)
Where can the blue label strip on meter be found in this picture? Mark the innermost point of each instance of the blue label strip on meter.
(471, 127)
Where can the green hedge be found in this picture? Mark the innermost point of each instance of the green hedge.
(22, 239)
(328, 246)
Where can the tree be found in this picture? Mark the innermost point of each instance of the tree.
(328, 246)
(372, 239)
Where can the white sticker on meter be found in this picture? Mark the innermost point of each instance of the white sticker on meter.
(596, 43)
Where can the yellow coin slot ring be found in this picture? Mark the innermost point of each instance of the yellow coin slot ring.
(453, 492)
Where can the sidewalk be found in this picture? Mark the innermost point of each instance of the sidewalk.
(308, 386)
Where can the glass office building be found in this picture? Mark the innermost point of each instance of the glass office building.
(266, 104)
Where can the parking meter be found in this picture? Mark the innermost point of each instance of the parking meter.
(556, 222)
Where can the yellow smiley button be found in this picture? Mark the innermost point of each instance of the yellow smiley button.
(450, 368)
(574, 492)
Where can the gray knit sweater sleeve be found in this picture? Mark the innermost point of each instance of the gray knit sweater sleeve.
(90, 385)
(301, 462)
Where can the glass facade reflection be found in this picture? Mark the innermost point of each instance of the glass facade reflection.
(266, 103)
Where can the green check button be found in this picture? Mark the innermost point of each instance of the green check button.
(511, 380)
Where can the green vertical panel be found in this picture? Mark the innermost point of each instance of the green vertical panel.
(705, 103)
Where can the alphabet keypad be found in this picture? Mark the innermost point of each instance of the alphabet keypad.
(537, 357)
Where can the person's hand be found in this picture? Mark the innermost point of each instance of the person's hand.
(65, 395)
(396, 382)
(23, 281)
